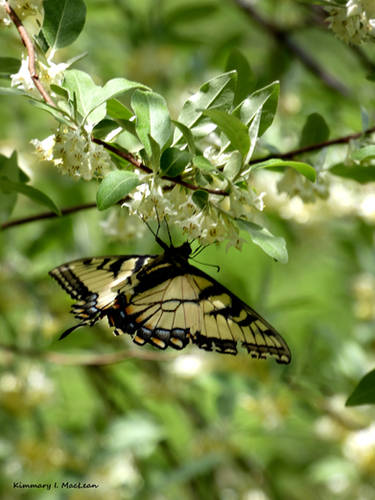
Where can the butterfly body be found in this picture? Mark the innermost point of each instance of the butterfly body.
(165, 301)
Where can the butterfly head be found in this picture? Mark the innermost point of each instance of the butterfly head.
(181, 253)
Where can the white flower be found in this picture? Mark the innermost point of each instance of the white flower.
(294, 184)
(207, 225)
(72, 151)
(48, 73)
(4, 18)
(354, 22)
(44, 149)
(120, 225)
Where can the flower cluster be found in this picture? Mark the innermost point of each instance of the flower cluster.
(48, 73)
(294, 184)
(119, 225)
(354, 22)
(211, 223)
(72, 151)
(23, 9)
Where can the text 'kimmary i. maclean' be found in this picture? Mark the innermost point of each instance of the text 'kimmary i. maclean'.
(56, 485)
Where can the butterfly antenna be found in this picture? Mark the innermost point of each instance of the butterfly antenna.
(159, 223)
(206, 264)
(199, 250)
(148, 225)
(168, 231)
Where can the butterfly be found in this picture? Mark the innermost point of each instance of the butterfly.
(164, 301)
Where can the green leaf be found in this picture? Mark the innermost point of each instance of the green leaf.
(233, 165)
(365, 153)
(117, 111)
(217, 93)
(356, 173)
(63, 21)
(103, 128)
(8, 169)
(254, 133)
(9, 66)
(187, 135)
(364, 393)
(174, 161)
(91, 98)
(12, 91)
(202, 163)
(245, 78)
(153, 119)
(233, 128)
(264, 99)
(115, 186)
(274, 246)
(189, 12)
(32, 193)
(41, 42)
(155, 154)
(314, 131)
(82, 88)
(57, 113)
(200, 198)
(303, 168)
(111, 89)
(60, 91)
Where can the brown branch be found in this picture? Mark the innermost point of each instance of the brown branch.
(136, 163)
(86, 359)
(314, 147)
(47, 215)
(31, 53)
(281, 37)
(283, 156)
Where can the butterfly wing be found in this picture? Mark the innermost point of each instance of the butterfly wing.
(170, 305)
(94, 283)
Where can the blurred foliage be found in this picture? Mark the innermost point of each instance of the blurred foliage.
(196, 425)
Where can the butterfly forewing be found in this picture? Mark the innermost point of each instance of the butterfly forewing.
(165, 301)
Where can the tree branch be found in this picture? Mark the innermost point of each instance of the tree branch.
(47, 215)
(136, 163)
(31, 53)
(314, 147)
(86, 359)
(281, 37)
(283, 156)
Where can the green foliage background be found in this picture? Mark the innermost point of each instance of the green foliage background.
(193, 425)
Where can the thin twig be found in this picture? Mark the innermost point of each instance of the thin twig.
(31, 53)
(87, 359)
(282, 37)
(136, 163)
(314, 147)
(47, 215)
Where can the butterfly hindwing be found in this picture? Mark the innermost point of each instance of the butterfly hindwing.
(174, 303)
(93, 282)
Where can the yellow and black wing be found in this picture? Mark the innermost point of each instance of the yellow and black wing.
(164, 301)
(94, 283)
(171, 304)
